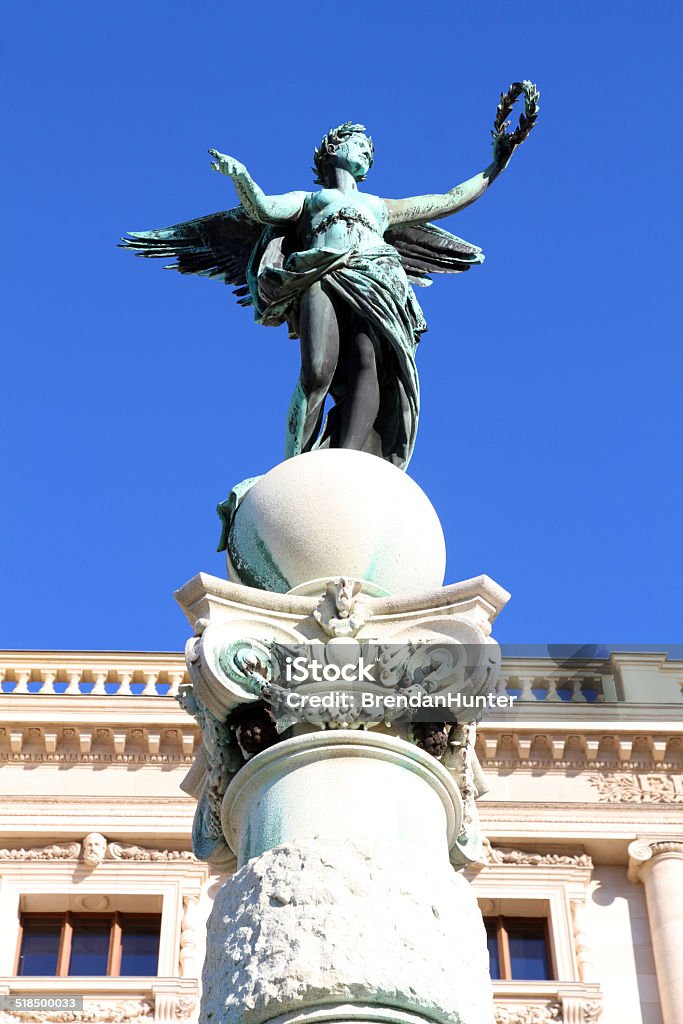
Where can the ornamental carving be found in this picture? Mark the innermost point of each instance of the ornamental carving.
(133, 1011)
(93, 850)
(56, 851)
(632, 788)
(497, 855)
(551, 1013)
(121, 851)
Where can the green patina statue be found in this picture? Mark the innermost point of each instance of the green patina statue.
(337, 266)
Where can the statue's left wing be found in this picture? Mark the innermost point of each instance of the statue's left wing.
(219, 245)
(426, 249)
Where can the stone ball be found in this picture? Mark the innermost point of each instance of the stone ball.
(334, 513)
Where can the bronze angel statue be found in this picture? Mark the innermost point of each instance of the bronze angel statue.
(337, 266)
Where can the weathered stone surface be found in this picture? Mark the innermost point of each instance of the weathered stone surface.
(336, 513)
(314, 923)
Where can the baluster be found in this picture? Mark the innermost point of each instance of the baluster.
(100, 680)
(48, 682)
(124, 680)
(74, 676)
(175, 679)
(150, 683)
(22, 682)
(526, 691)
(577, 692)
(552, 693)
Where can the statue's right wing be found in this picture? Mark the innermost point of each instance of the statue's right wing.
(219, 245)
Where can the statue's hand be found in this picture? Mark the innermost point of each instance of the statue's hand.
(503, 148)
(226, 165)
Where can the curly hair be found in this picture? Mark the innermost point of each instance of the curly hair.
(329, 143)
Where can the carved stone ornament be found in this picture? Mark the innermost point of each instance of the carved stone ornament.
(132, 1011)
(642, 851)
(93, 851)
(499, 855)
(428, 647)
(123, 851)
(56, 851)
(551, 1013)
(632, 788)
(342, 611)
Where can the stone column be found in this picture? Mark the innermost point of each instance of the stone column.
(346, 907)
(659, 866)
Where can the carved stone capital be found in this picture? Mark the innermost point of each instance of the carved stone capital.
(643, 852)
(433, 645)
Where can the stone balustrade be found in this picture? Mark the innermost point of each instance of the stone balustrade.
(92, 673)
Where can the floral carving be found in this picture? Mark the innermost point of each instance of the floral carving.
(495, 855)
(631, 788)
(551, 1013)
(123, 851)
(57, 851)
(342, 611)
(132, 1011)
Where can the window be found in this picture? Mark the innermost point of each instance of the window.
(519, 949)
(89, 945)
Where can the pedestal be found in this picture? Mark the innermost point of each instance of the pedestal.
(345, 903)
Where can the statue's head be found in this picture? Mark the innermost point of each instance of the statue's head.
(347, 146)
(94, 848)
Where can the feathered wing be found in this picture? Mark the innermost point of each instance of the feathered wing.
(219, 245)
(425, 249)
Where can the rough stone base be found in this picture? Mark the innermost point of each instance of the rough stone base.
(316, 924)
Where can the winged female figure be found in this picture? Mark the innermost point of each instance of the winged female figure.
(337, 265)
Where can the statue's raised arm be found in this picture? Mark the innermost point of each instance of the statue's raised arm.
(419, 209)
(263, 208)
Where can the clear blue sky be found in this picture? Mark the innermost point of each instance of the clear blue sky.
(550, 440)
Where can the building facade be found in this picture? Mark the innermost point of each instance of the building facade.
(581, 885)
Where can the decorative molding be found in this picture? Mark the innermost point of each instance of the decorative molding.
(169, 738)
(505, 855)
(582, 943)
(342, 611)
(567, 748)
(93, 850)
(633, 788)
(133, 1011)
(56, 851)
(551, 1013)
(124, 851)
(570, 1009)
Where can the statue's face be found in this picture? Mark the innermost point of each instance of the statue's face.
(355, 155)
(94, 848)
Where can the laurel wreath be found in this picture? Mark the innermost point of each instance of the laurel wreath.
(527, 119)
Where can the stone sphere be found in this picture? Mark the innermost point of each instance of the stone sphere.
(335, 513)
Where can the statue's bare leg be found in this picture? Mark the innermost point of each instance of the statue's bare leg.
(362, 402)
(319, 333)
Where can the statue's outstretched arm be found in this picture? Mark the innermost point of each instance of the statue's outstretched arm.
(266, 209)
(426, 208)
